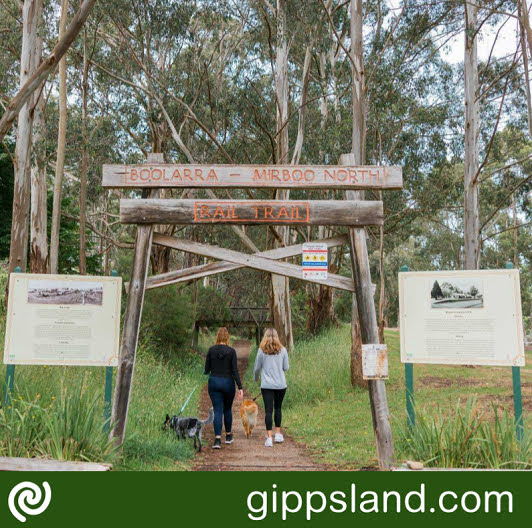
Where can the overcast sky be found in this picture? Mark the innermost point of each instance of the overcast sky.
(507, 40)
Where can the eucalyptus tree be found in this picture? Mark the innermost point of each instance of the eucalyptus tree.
(61, 146)
(29, 62)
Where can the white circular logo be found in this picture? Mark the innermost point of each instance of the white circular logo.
(29, 496)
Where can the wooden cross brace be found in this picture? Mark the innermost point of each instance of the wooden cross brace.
(257, 261)
(213, 268)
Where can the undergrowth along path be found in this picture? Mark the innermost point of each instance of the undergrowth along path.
(244, 454)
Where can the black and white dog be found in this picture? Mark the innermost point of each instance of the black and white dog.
(188, 427)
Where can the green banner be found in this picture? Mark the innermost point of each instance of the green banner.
(255, 498)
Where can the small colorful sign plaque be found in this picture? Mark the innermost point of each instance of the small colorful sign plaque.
(315, 261)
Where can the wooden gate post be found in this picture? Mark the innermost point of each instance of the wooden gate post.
(369, 333)
(132, 318)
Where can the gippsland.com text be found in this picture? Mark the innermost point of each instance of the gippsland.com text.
(285, 503)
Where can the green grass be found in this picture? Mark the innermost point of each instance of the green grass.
(161, 384)
(334, 420)
(57, 412)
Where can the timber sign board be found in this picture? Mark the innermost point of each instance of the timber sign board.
(253, 176)
(251, 212)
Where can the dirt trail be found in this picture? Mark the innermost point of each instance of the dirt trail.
(244, 454)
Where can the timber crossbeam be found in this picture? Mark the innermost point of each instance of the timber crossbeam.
(304, 177)
(252, 212)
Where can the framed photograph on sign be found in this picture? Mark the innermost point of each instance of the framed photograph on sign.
(457, 293)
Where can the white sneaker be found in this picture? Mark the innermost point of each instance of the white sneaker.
(268, 442)
(279, 438)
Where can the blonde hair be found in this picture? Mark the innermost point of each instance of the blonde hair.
(270, 343)
(222, 336)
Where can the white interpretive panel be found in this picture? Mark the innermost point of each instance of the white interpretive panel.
(63, 320)
(461, 317)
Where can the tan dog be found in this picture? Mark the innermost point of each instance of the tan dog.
(248, 414)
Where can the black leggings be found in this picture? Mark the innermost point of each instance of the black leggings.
(273, 400)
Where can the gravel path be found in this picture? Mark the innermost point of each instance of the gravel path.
(249, 455)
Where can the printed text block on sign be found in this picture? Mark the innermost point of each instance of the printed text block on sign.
(315, 262)
(374, 361)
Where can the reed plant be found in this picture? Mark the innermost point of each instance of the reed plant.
(70, 427)
(466, 437)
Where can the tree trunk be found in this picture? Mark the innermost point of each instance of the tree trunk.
(282, 317)
(61, 147)
(471, 221)
(524, 25)
(18, 253)
(35, 81)
(358, 141)
(84, 165)
(38, 217)
(515, 231)
(160, 256)
(321, 310)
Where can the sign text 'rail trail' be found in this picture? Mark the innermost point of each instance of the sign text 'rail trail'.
(251, 212)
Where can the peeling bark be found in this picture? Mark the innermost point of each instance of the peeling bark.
(61, 147)
(18, 253)
(281, 309)
(39, 219)
(35, 81)
(84, 165)
(471, 219)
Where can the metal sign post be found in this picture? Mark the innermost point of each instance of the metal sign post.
(409, 388)
(516, 385)
(10, 371)
(108, 390)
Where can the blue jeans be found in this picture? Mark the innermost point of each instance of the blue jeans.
(222, 393)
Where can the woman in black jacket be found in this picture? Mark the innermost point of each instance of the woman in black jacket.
(221, 364)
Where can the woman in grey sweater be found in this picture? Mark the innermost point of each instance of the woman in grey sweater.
(270, 365)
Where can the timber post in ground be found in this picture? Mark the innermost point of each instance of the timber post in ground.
(369, 333)
(132, 318)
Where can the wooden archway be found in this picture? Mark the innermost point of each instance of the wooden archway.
(150, 210)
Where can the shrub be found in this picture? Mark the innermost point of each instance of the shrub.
(168, 316)
(212, 305)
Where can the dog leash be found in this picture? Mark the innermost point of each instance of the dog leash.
(194, 390)
(189, 396)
